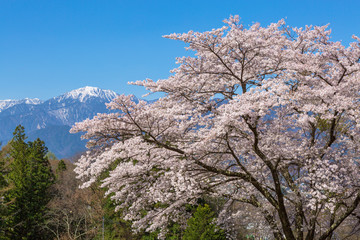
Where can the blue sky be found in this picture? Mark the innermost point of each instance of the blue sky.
(48, 47)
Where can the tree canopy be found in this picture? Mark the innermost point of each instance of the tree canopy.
(267, 118)
(31, 176)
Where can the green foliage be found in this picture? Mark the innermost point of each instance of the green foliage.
(114, 226)
(3, 171)
(201, 226)
(174, 232)
(31, 176)
(150, 236)
(61, 167)
(3, 185)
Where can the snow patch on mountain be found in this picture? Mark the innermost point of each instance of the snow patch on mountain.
(40, 126)
(34, 101)
(61, 114)
(5, 104)
(85, 93)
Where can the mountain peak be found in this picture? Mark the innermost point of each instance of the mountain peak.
(84, 93)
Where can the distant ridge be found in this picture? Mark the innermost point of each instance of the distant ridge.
(51, 120)
(4, 104)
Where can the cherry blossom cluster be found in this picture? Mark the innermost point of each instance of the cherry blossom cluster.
(265, 118)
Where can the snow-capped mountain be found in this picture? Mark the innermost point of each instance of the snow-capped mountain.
(4, 104)
(79, 104)
(86, 93)
(51, 119)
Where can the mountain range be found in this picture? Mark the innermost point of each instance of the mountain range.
(52, 119)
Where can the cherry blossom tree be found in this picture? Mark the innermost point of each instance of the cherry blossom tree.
(266, 118)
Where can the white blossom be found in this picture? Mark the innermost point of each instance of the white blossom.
(266, 118)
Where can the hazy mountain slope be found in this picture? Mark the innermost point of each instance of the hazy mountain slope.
(59, 141)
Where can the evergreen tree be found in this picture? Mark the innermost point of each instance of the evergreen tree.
(201, 226)
(3, 188)
(61, 167)
(31, 176)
